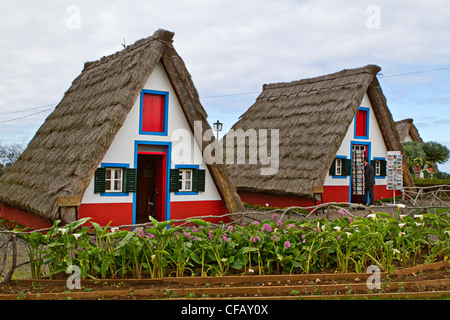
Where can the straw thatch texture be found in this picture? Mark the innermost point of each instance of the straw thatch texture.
(313, 116)
(62, 157)
(405, 127)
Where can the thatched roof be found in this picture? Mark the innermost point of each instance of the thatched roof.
(62, 157)
(313, 116)
(405, 127)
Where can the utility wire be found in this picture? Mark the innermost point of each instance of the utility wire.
(28, 115)
(415, 72)
(207, 97)
(27, 109)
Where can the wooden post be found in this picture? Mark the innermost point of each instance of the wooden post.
(68, 201)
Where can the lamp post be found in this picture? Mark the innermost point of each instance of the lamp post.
(218, 127)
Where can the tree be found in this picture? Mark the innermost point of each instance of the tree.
(415, 156)
(9, 154)
(435, 152)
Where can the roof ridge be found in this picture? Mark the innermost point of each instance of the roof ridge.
(130, 48)
(327, 77)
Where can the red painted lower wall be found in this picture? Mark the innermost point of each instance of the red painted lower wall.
(24, 218)
(274, 200)
(185, 209)
(330, 194)
(118, 213)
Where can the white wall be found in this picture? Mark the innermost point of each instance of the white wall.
(122, 148)
(378, 148)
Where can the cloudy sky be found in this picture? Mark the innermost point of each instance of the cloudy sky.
(231, 49)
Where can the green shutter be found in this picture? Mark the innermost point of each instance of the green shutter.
(198, 180)
(373, 163)
(129, 180)
(174, 180)
(383, 168)
(99, 180)
(332, 171)
(346, 167)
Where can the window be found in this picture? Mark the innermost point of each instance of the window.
(362, 123)
(154, 109)
(113, 180)
(377, 167)
(185, 180)
(338, 167)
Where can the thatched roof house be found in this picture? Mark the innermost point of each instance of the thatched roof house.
(316, 119)
(68, 148)
(407, 131)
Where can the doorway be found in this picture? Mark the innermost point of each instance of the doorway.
(359, 151)
(150, 186)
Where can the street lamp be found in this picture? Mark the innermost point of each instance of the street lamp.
(218, 127)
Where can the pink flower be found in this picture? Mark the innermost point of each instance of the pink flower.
(287, 245)
(230, 229)
(274, 216)
(339, 237)
(304, 241)
(210, 235)
(279, 223)
(266, 227)
(256, 223)
(342, 212)
(254, 239)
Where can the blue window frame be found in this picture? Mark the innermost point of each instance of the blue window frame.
(165, 94)
(364, 124)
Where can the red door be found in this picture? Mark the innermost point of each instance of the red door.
(151, 186)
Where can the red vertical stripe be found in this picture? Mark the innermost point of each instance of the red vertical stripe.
(361, 123)
(153, 113)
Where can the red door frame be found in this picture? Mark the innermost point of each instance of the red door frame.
(162, 178)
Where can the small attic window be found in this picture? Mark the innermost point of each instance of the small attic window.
(153, 112)
(362, 123)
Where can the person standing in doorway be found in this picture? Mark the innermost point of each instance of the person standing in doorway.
(369, 181)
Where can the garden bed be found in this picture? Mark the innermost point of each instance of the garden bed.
(432, 280)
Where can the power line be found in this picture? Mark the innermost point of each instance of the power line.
(229, 95)
(28, 115)
(415, 72)
(27, 109)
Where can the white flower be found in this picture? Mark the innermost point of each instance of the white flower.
(251, 270)
(447, 232)
(372, 215)
(337, 228)
(62, 230)
(153, 257)
(420, 216)
(401, 225)
(400, 205)
(417, 223)
(77, 235)
(401, 234)
(323, 228)
(402, 216)
(395, 251)
(348, 234)
(114, 229)
(267, 204)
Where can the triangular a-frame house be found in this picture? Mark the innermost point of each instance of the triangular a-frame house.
(321, 123)
(112, 141)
